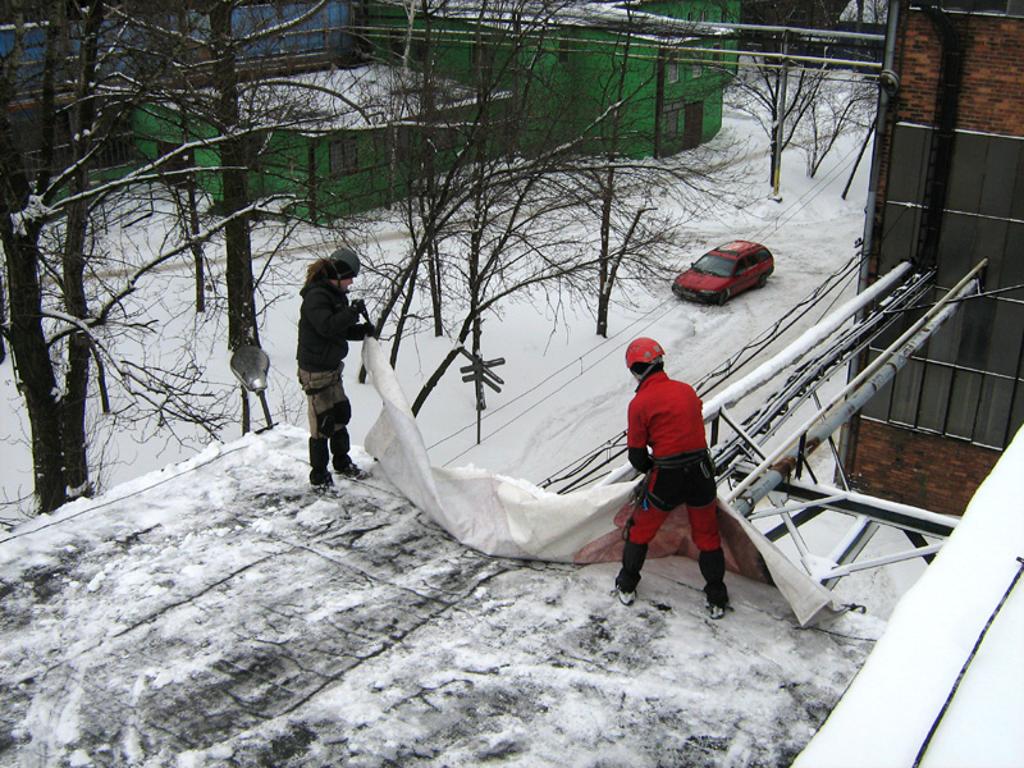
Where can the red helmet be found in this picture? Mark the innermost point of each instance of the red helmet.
(643, 350)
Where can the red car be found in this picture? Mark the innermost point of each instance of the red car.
(725, 271)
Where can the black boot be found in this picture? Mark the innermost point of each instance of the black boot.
(339, 450)
(712, 568)
(319, 477)
(633, 556)
(342, 462)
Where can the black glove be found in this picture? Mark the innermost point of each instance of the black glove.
(640, 459)
(358, 306)
(369, 331)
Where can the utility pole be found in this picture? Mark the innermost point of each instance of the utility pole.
(780, 118)
(479, 372)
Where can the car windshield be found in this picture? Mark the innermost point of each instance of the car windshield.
(713, 264)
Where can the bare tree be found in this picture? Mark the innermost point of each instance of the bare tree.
(448, 128)
(634, 236)
(777, 97)
(60, 324)
(237, 105)
(68, 181)
(512, 244)
(844, 104)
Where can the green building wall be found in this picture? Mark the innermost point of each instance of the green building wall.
(552, 87)
(576, 72)
(291, 163)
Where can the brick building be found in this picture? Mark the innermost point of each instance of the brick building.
(950, 191)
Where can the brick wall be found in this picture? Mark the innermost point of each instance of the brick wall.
(940, 474)
(991, 96)
(936, 473)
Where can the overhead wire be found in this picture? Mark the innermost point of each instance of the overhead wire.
(639, 38)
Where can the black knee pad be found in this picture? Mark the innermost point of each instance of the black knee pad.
(633, 556)
(342, 413)
(712, 565)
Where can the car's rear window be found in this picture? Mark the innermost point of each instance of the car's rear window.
(714, 264)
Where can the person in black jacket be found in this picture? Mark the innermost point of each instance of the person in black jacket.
(327, 322)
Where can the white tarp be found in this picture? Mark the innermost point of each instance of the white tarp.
(493, 514)
(512, 518)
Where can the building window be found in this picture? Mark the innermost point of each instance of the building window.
(115, 151)
(344, 156)
(397, 44)
(959, 386)
(696, 71)
(673, 118)
(563, 50)
(673, 71)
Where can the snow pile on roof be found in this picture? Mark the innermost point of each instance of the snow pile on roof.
(914, 672)
(367, 96)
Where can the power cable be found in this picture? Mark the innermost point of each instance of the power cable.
(535, 387)
(757, 345)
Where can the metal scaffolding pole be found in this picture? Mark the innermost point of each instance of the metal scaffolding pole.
(776, 466)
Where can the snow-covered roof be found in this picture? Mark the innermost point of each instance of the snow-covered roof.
(589, 13)
(368, 96)
(219, 612)
(943, 687)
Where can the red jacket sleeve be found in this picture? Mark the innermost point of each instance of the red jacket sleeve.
(636, 431)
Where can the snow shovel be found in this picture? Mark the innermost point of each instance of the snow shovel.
(250, 365)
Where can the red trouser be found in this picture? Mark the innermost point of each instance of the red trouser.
(703, 525)
(688, 485)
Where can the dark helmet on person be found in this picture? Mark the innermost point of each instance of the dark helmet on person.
(645, 351)
(345, 262)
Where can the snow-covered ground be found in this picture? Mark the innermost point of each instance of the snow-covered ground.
(214, 613)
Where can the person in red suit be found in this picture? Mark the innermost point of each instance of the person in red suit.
(666, 441)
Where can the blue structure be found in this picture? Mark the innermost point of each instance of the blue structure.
(33, 53)
(322, 33)
(322, 36)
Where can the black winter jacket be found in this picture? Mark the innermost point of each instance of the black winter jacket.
(326, 325)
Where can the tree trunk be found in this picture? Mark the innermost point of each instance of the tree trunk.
(603, 300)
(410, 292)
(234, 160)
(197, 249)
(29, 348)
(435, 377)
(32, 361)
(604, 288)
(434, 276)
(76, 377)
(190, 215)
(3, 320)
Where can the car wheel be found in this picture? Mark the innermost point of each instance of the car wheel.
(723, 297)
(762, 281)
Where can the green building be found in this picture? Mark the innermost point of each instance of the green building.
(566, 72)
(333, 159)
(602, 80)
